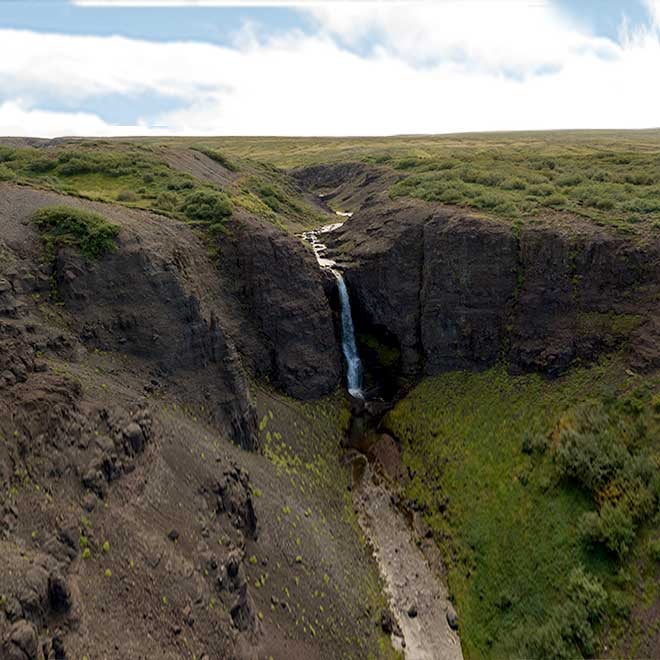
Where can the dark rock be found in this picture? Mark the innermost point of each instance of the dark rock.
(173, 535)
(243, 612)
(232, 566)
(235, 498)
(452, 617)
(89, 502)
(22, 642)
(13, 609)
(59, 595)
(33, 593)
(57, 648)
(176, 327)
(389, 624)
(458, 291)
(412, 611)
(94, 479)
(286, 328)
(188, 615)
(133, 433)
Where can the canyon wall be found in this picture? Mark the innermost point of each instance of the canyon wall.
(461, 291)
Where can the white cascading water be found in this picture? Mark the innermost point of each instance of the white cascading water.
(348, 345)
(353, 362)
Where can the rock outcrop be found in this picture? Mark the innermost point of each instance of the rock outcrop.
(284, 324)
(460, 291)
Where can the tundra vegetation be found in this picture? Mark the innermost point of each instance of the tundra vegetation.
(544, 497)
(90, 232)
(542, 494)
(139, 176)
(608, 177)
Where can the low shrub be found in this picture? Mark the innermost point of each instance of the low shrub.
(209, 206)
(126, 196)
(41, 165)
(90, 232)
(568, 632)
(180, 184)
(534, 443)
(6, 174)
(167, 201)
(7, 154)
(612, 526)
(589, 449)
(654, 549)
(602, 447)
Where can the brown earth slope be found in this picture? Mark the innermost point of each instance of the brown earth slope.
(133, 523)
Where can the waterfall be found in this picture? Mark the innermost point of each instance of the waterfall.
(348, 345)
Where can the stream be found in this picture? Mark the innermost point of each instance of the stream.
(418, 598)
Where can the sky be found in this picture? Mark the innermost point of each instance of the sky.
(348, 67)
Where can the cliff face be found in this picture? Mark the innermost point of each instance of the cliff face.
(460, 291)
(283, 323)
(122, 381)
(147, 301)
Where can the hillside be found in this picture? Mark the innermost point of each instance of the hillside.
(182, 474)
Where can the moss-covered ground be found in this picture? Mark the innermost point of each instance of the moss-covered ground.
(507, 518)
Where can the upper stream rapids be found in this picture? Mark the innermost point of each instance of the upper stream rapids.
(348, 343)
(418, 597)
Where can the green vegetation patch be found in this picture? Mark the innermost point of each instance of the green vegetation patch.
(511, 473)
(208, 206)
(611, 187)
(90, 232)
(608, 177)
(218, 157)
(137, 175)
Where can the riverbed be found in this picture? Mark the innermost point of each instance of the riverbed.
(418, 597)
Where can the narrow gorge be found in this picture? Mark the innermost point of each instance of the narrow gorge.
(419, 603)
(257, 411)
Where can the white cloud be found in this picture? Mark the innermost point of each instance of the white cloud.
(301, 84)
(654, 10)
(16, 119)
(223, 3)
(517, 36)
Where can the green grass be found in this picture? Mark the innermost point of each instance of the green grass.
(90, 232)
(505, 518)
(137, 175)
(608, 177)
(613, 187)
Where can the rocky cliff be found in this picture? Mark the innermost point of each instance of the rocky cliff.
(284, 326)
(458, 290)
(131, 516)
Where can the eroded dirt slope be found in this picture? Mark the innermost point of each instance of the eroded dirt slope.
(133, 522)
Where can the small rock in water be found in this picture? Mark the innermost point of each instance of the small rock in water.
(412, 611)
(173, 535)
(452, 617)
